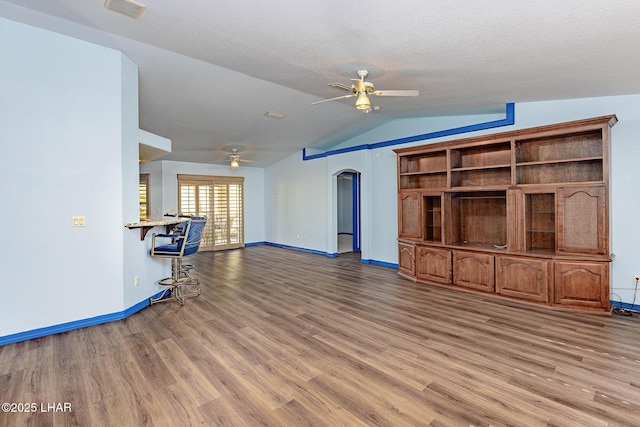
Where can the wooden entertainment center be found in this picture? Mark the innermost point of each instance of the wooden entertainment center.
(522, 215)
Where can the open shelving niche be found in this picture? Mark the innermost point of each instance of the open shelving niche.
(520, 214)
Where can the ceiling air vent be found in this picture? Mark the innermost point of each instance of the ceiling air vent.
(274, 115)
(127, 7)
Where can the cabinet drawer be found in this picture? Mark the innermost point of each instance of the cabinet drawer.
(474, 270)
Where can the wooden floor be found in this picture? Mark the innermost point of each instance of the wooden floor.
(287, 338)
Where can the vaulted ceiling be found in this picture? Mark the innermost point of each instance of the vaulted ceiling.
(210, 70)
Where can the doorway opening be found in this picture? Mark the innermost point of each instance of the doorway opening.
(348, 206)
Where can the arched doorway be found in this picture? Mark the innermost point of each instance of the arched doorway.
(348, 212)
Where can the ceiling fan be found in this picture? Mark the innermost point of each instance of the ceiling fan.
(234, 159)
(362, 89)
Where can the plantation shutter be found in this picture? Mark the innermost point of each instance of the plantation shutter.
(143, 194)
(228, 208)
(220, 199)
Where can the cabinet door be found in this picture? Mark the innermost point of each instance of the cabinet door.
(582, 284)
(474, 270)
(433, 265)
(406, 259)
(409, 215)
(581, 218)
(515, 220)
(523, 278)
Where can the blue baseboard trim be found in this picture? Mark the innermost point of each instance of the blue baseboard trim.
(626, 306)
(379, 263)
(297, 248)
(510, 119)
(76, 324)
(331, 255)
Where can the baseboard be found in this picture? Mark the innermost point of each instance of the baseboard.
(294, 248)
(626, 306)
(379, 263)
(332, 255)
(76, 324)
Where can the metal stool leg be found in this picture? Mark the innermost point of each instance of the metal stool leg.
(180, 285)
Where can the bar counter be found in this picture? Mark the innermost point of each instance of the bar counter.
(145, 226)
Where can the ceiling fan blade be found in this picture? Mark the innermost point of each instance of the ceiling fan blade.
(332, 99)
(341, 86)
(396, 92)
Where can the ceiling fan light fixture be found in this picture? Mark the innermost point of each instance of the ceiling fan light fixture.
(234, 163)
(363, 103)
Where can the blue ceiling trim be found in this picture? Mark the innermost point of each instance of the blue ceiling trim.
(510, 119)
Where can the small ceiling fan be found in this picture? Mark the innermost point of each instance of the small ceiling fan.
(235, 160)
(362, 89)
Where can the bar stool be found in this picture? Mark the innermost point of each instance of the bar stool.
(184, 242)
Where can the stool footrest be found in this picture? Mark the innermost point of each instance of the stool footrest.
(178, 292)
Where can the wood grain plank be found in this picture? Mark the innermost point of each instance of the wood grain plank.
(190, 383)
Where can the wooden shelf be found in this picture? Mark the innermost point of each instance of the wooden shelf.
(561, 172)
(573, 145)
(423, 173)
(503, 214)
(546, 162)
(474, 156)
(481, 168)
(479, 197)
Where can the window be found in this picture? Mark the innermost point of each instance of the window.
(221, 200)
(143, 190)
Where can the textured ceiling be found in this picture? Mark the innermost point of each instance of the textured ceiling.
(209, 70)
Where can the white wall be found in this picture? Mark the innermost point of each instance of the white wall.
(401, 128)
(61, 131)
(292, 210)
(296, 204)
(136, 260)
